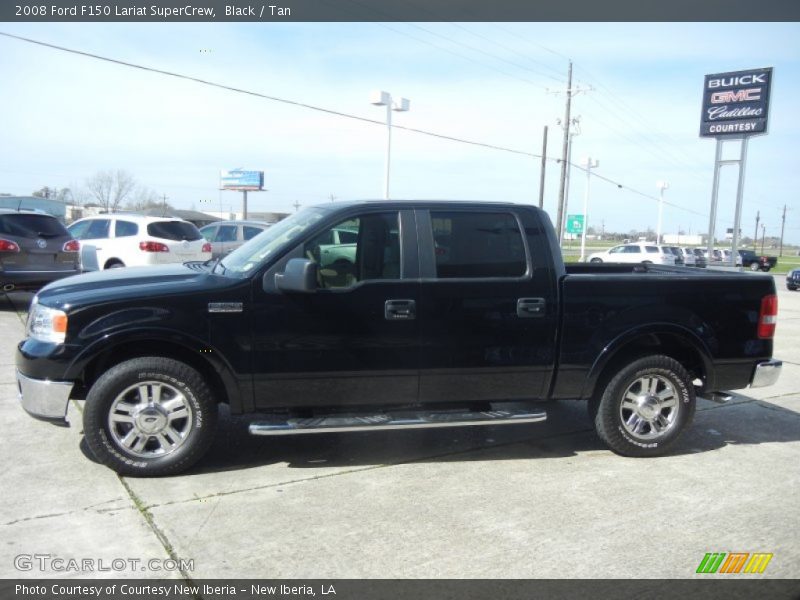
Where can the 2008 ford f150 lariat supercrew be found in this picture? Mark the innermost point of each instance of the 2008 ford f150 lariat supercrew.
(387, 314)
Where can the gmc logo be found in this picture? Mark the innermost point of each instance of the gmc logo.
(737, 96)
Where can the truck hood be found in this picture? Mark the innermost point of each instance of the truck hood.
(132, 283)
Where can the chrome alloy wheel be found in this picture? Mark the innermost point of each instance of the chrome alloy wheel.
(150, 419)
(649, 408)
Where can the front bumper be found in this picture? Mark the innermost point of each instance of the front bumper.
(766, 373)
(44, 398)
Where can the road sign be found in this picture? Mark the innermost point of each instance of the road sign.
(574, 223)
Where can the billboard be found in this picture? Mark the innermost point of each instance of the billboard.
(241, 180)
(736, 104)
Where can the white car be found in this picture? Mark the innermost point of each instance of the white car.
(642, 252)
(125, 240)
(726, 254)
(689, 257)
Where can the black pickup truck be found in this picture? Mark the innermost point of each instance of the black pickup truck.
(385, 314)
(757, 262)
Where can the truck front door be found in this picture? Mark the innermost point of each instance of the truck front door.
(355, 339)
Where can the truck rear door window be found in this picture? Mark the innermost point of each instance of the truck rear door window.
(477, 245)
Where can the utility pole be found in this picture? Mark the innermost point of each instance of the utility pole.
(564, 149)
(755, 237)
(783, 224)
(544, 163)
(332, 197)
(763, 235)
(296, 205)
(164, 201)
(562, 188)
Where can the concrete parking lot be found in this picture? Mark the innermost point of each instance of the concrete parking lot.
(525, 501)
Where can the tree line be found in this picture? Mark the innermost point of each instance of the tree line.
(111, 190)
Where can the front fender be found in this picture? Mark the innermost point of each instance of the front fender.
(124, 340)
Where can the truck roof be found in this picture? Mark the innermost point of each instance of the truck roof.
(422, 203)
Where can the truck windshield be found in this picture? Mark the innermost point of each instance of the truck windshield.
(245, 259)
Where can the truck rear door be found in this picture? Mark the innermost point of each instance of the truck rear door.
(488, 304)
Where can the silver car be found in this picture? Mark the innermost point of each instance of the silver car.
(229, 235)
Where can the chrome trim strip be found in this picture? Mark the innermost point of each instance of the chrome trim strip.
(339, 424)
(766, 373)
(43, 398)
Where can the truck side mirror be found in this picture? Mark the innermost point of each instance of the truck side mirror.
(300, 275)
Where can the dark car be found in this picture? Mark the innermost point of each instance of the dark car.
(35, 249)
(679, 261)
(700, 260)
(793, 280)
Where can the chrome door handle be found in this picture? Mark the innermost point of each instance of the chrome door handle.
(531, 307)
(400, 310)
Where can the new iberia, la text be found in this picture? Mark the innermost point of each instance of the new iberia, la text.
(174, 590)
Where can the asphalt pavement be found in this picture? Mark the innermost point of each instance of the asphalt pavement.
(544, 500)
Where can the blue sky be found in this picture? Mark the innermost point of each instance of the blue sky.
(69, 116)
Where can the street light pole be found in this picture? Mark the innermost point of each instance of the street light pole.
(589, 164)
(661, 185)
(380, 98)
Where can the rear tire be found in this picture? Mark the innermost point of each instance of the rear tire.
(644, 408)
(114, 264)
(149, 416)
(754, 266)
(596, 260)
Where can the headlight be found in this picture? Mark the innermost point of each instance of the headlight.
(46, 324)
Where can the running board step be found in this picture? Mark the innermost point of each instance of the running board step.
(405, 420)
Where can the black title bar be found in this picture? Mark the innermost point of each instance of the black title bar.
(396, 10)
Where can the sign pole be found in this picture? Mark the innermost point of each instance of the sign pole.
(739, 193)
(244, 204)
(712, 223)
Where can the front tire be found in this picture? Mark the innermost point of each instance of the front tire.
(754, 266)
(596, 260)
(644, 408)
(149, 416)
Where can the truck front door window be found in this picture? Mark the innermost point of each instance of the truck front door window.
(358, 249)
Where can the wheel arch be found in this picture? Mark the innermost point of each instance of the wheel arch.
(214, 369)
(670, 340)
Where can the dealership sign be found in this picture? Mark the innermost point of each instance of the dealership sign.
(736, 104)
(241, 180)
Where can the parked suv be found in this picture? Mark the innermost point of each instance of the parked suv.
(124, 240)
(35, 249)
(700, 259)
(677, 252)
(642, 252)
(689, 258)
(225, 236)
